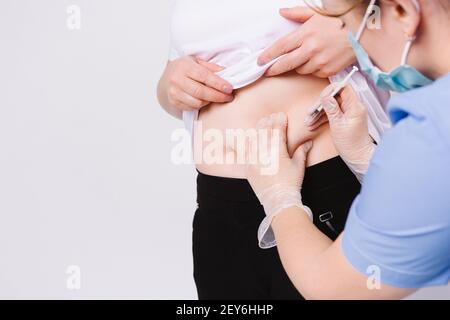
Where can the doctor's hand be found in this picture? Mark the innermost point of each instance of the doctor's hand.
(320, 46)
(275, 176)
(189, 84)
(349, 130)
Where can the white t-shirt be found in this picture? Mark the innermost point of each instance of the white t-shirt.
(233, 33)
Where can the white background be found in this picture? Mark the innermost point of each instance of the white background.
(85, 171)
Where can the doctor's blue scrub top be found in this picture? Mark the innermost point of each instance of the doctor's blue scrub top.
(400, 222)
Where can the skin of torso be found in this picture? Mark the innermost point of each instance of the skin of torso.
(290, 93)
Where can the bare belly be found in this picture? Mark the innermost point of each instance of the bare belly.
(291, 94)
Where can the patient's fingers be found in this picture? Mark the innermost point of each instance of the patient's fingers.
(210, 66)
(203, 75)
(289, 62)
(284, 45)
(205, 93)
(187, 102)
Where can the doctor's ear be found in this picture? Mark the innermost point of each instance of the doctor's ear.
(407, 12)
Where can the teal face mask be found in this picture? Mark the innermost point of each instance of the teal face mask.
(401, 79)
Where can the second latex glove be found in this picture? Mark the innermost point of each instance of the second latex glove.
(274, 200)
(349, 130)
(280, 188)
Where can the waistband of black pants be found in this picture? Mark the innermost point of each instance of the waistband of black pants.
(319, 176)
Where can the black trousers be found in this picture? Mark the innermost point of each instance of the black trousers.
(228, 264)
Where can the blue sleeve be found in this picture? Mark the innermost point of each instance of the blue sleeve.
(401, 220)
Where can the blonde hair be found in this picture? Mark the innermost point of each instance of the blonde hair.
(352, 4)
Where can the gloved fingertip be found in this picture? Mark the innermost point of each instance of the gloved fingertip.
(307, 146)
(282, 119)
(330, 105)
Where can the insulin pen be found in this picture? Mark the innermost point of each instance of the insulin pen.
(340, 85)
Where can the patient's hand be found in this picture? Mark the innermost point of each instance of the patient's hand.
(189, 84)
(320, 46)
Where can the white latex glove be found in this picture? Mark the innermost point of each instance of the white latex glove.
(279, 189)
(349, 130)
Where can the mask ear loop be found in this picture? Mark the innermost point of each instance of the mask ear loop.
(362, 27)
(416, 4)
(409, 42)
(409, 39)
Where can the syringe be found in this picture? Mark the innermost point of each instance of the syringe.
(313, 116)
